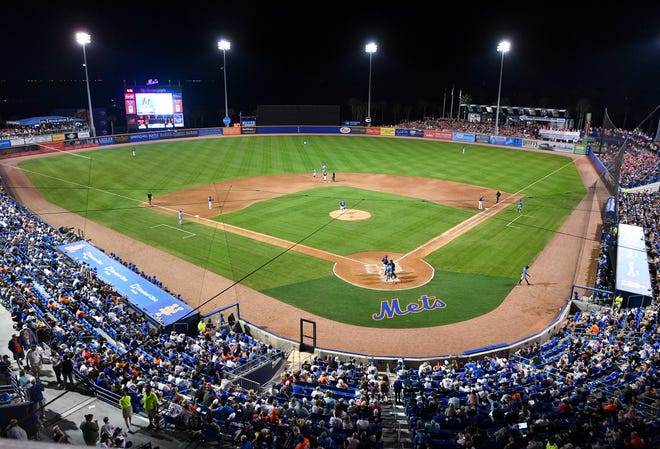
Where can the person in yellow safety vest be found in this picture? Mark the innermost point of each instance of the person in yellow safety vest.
(201, 327)
(618, 301)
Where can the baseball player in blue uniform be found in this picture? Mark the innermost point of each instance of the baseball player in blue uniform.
(342, 207)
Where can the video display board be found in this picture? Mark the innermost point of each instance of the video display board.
(153, 107)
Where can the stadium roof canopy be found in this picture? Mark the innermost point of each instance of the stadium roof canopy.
(45, 119)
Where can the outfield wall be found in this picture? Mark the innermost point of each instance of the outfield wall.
(21, 146)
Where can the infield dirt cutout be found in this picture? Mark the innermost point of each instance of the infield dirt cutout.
(362, 269)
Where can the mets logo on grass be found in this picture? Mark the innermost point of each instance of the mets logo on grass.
(390, 309)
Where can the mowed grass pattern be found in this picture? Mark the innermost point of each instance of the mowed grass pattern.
(397, 224)
(474, 273)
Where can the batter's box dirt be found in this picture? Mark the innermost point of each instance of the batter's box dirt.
(364, 270)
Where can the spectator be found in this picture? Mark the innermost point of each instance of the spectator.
(13, 430)
(59, 436)
(90, 430)
(35, 360)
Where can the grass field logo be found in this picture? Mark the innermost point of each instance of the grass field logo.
(388, 309)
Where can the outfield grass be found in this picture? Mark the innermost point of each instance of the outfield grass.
(478, 269)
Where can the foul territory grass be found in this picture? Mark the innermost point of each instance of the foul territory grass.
(473, 273)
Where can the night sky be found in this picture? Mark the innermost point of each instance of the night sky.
(313, 53)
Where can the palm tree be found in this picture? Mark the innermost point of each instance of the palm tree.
(465, 99)
(112, 119)
(582, 107)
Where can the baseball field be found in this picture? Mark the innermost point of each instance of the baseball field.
(275, 228)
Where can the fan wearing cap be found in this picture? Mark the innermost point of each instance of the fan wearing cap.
(5, 364)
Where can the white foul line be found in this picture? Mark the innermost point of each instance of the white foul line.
(191, 234)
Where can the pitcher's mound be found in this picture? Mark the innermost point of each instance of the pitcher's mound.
(350, 215)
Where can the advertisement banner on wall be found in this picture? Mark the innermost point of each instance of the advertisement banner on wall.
(555, 134)
(373, 131)
(387, 131)
(109, 140)
(506, 141)
(175, 134)
(480, 138)
(562, 147)
(354, 130)
(442, 135)
(231, 131)
(409, 132)
(37, 139)
(463, 137)
(529, 143)
(580, 149)
(210, 131)
(144, 137)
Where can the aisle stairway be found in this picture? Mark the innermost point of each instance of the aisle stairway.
(396, 431)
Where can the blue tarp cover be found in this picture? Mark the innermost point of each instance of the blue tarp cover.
(157, 304)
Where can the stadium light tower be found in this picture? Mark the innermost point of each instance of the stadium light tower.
(225, 45)
(502, 47)
(84, 39)
(370, 48)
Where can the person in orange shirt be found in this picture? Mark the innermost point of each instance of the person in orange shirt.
(611, 406)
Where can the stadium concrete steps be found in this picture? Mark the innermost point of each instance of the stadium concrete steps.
(396, 432)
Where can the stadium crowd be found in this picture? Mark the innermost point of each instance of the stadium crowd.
(640, 164)
(43, 128)
(466, 126)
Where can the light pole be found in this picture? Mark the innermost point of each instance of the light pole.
(225, 45)
(84, 39)
(502, 47)
(370, 48)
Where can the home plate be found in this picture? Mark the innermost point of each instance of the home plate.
(196, 216)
